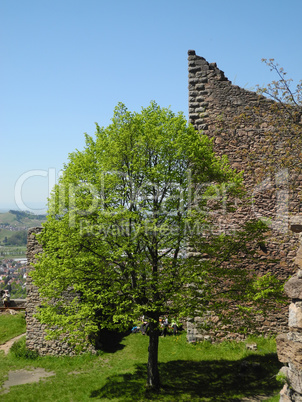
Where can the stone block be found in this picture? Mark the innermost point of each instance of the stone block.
(295, 316)
(283, 371)
(293, 288)
(294, 378)
(200, 87)
(298, 259)
(289, 351)
(294, 336)
(251, 346)
(285, 394)
(193, 69)
(296, 223)
(296, 227)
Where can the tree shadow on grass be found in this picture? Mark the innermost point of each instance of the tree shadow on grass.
(205, 380)
(109, 341)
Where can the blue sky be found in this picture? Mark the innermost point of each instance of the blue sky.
(65, 64)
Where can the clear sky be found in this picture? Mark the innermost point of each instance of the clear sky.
(65, 64)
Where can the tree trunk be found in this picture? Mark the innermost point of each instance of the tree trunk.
(153, 373)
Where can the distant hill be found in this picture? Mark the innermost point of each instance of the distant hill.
(21, 219)
(14, 226)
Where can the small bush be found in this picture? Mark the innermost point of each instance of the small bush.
(281, 377)
(20, 350)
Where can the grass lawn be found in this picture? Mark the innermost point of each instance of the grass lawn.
(11, 326)
(201, 372)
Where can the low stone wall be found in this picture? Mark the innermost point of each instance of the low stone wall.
(289, 345)
(15, 303)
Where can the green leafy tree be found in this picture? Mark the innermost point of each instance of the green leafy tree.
(17, 291)
(120, 224)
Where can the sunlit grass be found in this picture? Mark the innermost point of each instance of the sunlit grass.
(201, 372)
(11, 326)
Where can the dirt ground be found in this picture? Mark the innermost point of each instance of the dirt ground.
(23, 376)
(6, 346)
(19, 377)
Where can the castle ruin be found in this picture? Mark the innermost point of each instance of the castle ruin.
(239, 121)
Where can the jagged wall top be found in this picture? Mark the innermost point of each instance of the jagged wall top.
(211, 91)
(205, 69)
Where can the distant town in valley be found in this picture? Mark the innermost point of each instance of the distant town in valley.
(13, 238)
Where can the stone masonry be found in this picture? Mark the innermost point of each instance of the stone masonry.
(239, 122)
(35, 331)
(289, 345)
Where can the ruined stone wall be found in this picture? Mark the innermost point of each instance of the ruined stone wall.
(240, 123)
(289, 345)
(35, 331)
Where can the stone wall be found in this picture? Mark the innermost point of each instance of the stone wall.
(240, 123)
(35, 331)
(289, 345)
(20, 303)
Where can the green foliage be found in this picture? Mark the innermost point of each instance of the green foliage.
(282, 378)
(20, 350)
(17, 291)
(119, 221)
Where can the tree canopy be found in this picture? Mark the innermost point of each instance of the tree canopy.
(120, 225)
